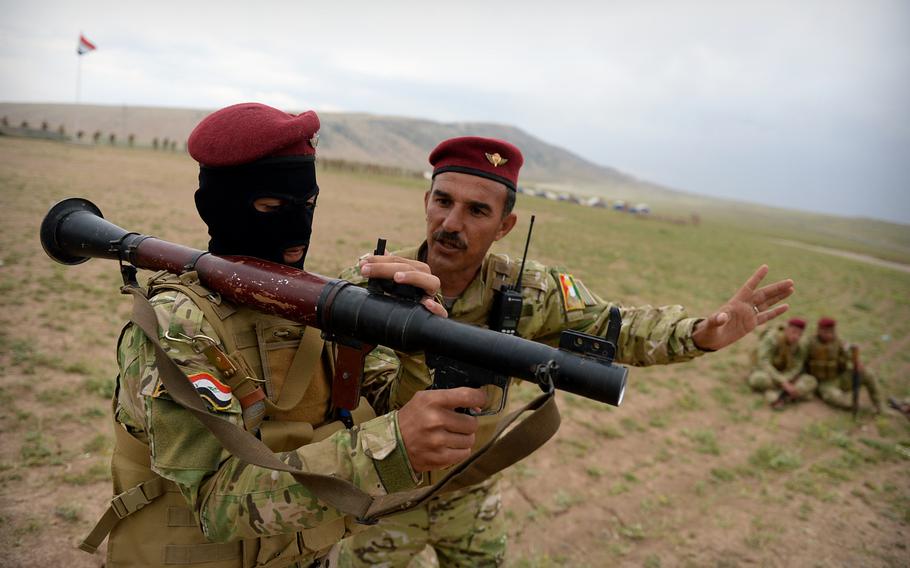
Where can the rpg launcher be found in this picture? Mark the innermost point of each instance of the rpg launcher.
(356, 319)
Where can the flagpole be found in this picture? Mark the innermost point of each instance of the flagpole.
(78, 91)
(78, 78)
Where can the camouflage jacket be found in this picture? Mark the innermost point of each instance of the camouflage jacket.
(780, 360)
(553, 301)
(232, 499)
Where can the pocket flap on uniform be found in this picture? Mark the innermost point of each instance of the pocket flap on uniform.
(323, 537)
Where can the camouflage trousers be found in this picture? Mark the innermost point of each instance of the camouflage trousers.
(762, 381)
(839, 392)
(464, 528)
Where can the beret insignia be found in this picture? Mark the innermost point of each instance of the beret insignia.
(477, 156)
(314, 141)
(495, 159)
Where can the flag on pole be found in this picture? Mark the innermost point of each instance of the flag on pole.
(84, 45)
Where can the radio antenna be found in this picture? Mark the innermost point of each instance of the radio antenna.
(524, 257)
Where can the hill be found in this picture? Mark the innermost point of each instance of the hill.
(384, 140)
(405, 143)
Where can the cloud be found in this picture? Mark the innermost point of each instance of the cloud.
(709, 96)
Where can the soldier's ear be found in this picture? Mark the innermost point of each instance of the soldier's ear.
(506, 225)
(426, 198)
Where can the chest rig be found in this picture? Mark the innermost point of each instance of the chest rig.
(826, 360)
(783, 355)
(279, 370)
(260, 352)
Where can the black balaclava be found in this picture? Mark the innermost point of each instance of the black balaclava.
(225, 202)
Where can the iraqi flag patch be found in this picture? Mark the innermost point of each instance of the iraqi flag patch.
(213, 391)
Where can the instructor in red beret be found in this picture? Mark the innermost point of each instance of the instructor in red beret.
(468, 207)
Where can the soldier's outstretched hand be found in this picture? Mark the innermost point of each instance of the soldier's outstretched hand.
(750, 307)
(435, 435)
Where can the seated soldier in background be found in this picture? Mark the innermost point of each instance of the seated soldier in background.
(780, 366)
(830, 363)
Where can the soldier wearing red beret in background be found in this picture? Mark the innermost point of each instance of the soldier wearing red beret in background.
(830, 362)
(469, 207)
(181, 498)
(780, 365)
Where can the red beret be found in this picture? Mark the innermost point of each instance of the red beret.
(247, 132)
(485, 157)
(826, 322)
(797, 322)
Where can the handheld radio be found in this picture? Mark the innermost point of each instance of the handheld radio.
(507, 301)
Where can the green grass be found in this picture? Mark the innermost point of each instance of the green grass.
(762, 534)
(565, 500)
(704, 441)
(595, 472)
(55, 396)
(37, 449)
(69, 513)
(101, 386)
(773, 457)
(97, 444)
(721, 474)
(100, 471)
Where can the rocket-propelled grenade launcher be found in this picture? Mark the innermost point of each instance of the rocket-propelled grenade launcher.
(74, 231)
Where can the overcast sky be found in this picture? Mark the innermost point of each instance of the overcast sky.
(801, 104)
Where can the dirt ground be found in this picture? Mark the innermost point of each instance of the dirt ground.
(692, 470)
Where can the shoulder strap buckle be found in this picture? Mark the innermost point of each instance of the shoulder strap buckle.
(136, 498)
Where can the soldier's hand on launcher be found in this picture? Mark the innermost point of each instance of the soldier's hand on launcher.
(435, 435)
(749, 307)
(405, 271)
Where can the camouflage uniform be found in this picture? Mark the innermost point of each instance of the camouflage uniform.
(227, 499)
(466, 528)
(831, 364)
(779, 362)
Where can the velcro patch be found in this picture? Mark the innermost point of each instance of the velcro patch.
(586, 296)
(213, 391)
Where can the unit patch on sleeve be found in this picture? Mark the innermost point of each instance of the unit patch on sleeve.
(570, 295)
(586, 296)
(213, 391)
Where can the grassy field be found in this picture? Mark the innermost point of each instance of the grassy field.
(692, 470)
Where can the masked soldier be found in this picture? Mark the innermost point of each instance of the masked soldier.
(468, 208)
(830, 362)
(181, 498)
(780, 366)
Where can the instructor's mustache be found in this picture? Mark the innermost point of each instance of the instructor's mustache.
(450, 239)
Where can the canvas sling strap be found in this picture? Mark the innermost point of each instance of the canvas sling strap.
(512, 441)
